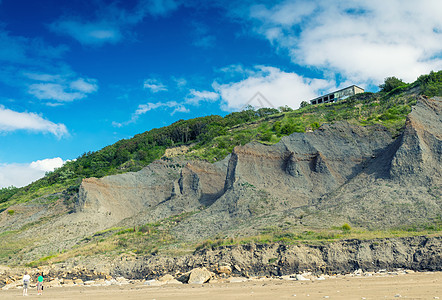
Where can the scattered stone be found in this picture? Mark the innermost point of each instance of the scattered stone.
(54, 283)
(173, 281)
(300, 277)
(237, 279)
(397, 296)
(68, 282)
(153, 282)
(224, 270)
(89, 282)
(166, 278)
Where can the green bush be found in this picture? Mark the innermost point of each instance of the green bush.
(390, 83)
(346, 227)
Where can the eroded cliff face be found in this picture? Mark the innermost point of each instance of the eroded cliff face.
(415, 253)
(338, 173)
(162, 189)
(400, 186)
(419, 156)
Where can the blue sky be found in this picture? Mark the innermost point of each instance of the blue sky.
(78, 75)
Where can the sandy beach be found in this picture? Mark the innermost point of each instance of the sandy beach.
(426, 285)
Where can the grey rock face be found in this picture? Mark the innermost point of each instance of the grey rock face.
(340, 171)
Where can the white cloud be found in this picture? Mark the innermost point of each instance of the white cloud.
(19, 175)
(269, 86)
(365, 41)
(154, 85)
(84, 85)
(48, 164)
(195, 97)
(61, 88)
(11, 121)
(144, 108)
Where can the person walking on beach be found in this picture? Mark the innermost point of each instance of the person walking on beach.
(40, 284)
(26, 279)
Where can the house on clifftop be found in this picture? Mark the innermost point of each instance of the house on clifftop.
(338, 95)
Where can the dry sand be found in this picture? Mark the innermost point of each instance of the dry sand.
(409, 286)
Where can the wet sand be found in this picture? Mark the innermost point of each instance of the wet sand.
(409, 286)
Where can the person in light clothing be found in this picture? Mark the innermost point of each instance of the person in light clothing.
(26, 279)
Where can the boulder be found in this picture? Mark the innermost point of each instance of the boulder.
(54, 283)
(199, 276)
(166, 278)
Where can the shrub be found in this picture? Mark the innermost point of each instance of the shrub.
(346, 227)
(390, 83)
(11, 212)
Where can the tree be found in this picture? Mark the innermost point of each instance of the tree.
(285, 108)
(390, 83)
(303, 104)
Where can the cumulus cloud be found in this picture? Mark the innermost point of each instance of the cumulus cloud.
(11, 121)
(269, 86)
(154, 85)
(144, 108)
(19, 175)
(361, 40)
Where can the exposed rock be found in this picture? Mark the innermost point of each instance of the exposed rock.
(224, 270)
(166, 277)
(411, 253)
(199, 276)
(300, 277)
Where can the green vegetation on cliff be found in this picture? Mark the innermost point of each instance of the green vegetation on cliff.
(213, 137)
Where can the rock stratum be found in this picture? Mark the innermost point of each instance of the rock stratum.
(339, 173)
